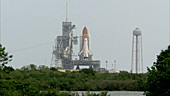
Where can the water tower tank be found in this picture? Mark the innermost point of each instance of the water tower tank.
(137, 32)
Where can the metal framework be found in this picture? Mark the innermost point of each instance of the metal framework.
(63, 48)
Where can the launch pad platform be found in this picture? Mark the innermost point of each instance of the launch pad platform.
(94, 64)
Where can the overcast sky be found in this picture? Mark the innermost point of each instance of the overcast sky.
(36, 24)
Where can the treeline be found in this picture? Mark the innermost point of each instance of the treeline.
(31, 80)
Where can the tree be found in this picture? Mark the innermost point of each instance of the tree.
(88, 71)
(4, 57)
(8, 69)
(159, 76)
(42, 67)
(29, 67)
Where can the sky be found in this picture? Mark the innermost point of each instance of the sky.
(29, 28)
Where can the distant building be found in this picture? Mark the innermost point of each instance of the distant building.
(102, 70)
(114, 71)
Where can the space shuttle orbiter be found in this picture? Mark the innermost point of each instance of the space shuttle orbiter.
(84, 51)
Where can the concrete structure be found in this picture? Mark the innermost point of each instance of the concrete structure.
(67, 70)
(113, 71)
(93, 64)
(137, 59)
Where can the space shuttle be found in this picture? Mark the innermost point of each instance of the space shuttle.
(85, 53)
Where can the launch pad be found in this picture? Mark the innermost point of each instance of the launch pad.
(63, 49)
(93, 64)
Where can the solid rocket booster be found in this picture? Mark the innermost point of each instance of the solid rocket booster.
(84, 51)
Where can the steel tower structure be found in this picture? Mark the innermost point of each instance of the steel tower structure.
(63, 48)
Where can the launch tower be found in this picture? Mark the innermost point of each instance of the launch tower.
(63, 48)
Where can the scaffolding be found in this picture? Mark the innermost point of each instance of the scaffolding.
(63, 48)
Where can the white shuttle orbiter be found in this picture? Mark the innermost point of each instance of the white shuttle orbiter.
(84, 51)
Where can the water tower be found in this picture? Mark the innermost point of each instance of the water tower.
(137, 58)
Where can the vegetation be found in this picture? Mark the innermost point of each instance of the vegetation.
(4, 57)
(158, 82)
(31, 80)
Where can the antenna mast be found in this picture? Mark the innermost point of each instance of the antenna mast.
(169, 22)
(0, 22)
(66, 12)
